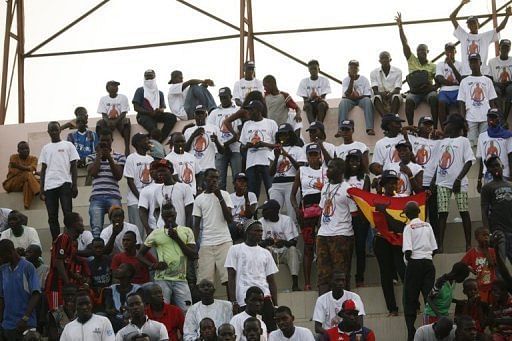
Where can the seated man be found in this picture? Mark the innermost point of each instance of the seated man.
(220, 311)
(350, 326)
(356, 91)
(500, 71)
(149, 104)
(21, 176)
(116, 216)
(247, 84)
(443, 329)
(22, 236)
(420, 77)
(170, 315)
(448, 75)
(287, 330)
(79, 111)
(386, 83)
(184, 96)
(113, 109)
(313, 91)
(84, 140)
(280, 237)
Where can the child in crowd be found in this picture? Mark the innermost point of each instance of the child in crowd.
(501, 312)
(473, 305)
(441, 296)
(481, 261)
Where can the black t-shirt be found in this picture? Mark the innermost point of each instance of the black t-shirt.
(498, 195)
(101, 273)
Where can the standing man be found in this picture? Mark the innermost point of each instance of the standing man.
(500, 69)
(476, 96)
(184, 164)
(313, 91)
(138, 176)
(184, 97)
(356, 91)
(448, 75)
(420, 77)
(247, 84)
(212, 214)
(113, 109)
(20, 291)
(473, 42)
(231, 154)
(58, 176)
(106, 169)
(149, 104)
(386, 83)
(248, 265)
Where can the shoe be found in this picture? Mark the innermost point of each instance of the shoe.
(370, 132)
(307, 287)
(393, 313)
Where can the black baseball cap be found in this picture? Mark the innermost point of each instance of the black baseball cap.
(403, 143)
(225, 91)
(200, 107)
(285, 128)
(353, 62)
(347, 124)
(474, 56)
(241, 176)
(426, 119)
(454, 118)
(354, 153)
(316, 125)
(471, 18)
(249, 65)
(494, 112)
(313, 148)
(392, 118)
(389, 174)
(270, 204)
(112, 83)
(255, 105)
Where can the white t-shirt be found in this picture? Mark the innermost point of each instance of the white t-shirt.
(217, 117)
(451, 155)
(219, 311)
(57, 157)
(215, 230)
(252, 265)
(113, 107)
(329, 147)
(283, 229)
(106, 233)
(312, 180)
(419, 238)
(255, 131)
(443, 69)
(239, 205)
(501, 70)
(156, 330)
(243, 87)
(146, 200)
(137, 168)
(404, 184)
(238, 323)
(476, 92)
(423, 149)
(98, 328)
(180, 195)
(353, 181)
(176, 98)
(84, 240)
(284, 167)
(361, 86)
(28, 237)
(321, 86)
(202, 147)
(335, 203)
(343, 149)
(185, 167)
(488, 146)
(474, 43)
(385, 150)
(327, 308)
(386, 83)
(300, 334)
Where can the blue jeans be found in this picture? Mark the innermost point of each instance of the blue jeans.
(256, 175)
(99, 206)
(223, 160)
(198, 94)
(348, 104)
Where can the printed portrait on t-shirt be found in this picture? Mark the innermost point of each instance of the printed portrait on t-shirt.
(113, 110)
(186, 172)
(423, 155)
(316, 183)
(449, 76)
(402, 185)
(329, 204)
(223, 127)
(144, 174)
(504, 74)
(393, 154)
(200, 144)
(447, 158)
(477, 93)
(473, 46)
(239, 210)
(283, 166)
(256, 136)
(491, 148)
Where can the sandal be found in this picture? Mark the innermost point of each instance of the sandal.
(307, 287)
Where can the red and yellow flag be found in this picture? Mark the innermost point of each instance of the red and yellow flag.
(367, 202)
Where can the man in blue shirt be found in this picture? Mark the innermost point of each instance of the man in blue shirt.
(20, 290)
(85, 140)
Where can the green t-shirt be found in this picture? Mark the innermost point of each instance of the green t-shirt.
(443, 296)
(414, 64)
(169, 251)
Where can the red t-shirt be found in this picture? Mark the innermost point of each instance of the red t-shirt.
(335, 335)
(485, 273)
(141, 271)
(172, 317)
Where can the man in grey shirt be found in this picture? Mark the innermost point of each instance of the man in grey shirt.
(442, 330)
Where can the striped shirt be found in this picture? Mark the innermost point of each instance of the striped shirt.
(105, 183)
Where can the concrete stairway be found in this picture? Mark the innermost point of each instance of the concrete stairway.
(301, 303)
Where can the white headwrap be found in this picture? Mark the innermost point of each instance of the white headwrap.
(151, 93)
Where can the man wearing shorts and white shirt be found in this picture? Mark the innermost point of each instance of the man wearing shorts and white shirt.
(454, 158)
(476, 97)
(500, 69)
(448, 75)
(386, 82)
(313, 91)
(247, 84)
(212, 214)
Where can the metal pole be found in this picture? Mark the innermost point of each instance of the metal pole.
(242, 37)
(21, 60)
(5, 64)
(250, 35)
(495, 24)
